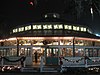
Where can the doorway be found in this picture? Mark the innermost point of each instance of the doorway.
(37, 52)
(51, 55)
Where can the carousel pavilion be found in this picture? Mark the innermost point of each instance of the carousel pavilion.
(51, 38)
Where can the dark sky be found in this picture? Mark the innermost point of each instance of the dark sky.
(14, 12)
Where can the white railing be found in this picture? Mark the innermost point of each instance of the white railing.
(84, 62)
(42, 63)
(12, 61)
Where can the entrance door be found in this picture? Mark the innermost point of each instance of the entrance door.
(36, 54)
(51, 55)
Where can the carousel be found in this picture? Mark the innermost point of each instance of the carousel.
(53, 39)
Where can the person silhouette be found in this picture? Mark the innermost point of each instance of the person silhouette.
(36, 56)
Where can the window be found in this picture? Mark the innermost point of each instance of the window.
(95, 52)
(90, 52)
(98, 52)
(68, 27)
(15, 30)
(69, 52)
(37, 27)
(86, 52)
(47, 26)
(25, 51)
(79, 52)
(28, 28)
(21, 29)
(58, 26)
(76, 28)
(83, 29)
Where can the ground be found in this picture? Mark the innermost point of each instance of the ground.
(34, 73)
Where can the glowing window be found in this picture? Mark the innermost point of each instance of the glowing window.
(61, 26)
(37, 27)
(74, 28)
(28, 27)
(68, 27)
(15, 30)
(21, 29)
(58, 26)
(77, 28)
(47, 26)
(82, 29)
(34, 27)
(85, 29)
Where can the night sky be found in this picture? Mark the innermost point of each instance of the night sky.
(17, 12)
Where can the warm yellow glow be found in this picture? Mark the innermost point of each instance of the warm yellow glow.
(77, 28)
(84, 29)
(10, 39)
(28, 27)
(36, 48)
(47, 26)
(37, 38)
(74, 28)
(81, 28)
(90, 39)
(15, 30)
(61, 26)
(37, 27)
(68, 27)
(27, 44)
(21, 29)
(2, 40)
(56, 26)
(98, 40)
(44, 38)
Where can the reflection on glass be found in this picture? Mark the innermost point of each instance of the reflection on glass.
(79, 52)
(95, 52)
(52, 52)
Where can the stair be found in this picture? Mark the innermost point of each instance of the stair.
(29, 69)
(50, 69)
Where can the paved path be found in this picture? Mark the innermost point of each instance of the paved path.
(34, 73)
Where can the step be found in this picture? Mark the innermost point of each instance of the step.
(25, 69)
(50, 71)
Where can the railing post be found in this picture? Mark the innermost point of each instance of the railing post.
(2, 61)
(24, 63)
(86, 63)
(41, 64)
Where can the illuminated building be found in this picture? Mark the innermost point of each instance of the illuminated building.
(50, 39)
